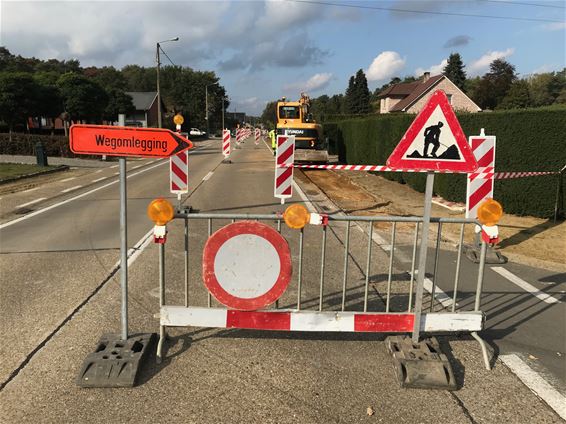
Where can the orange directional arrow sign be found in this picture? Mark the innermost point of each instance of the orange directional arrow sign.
(126, 141)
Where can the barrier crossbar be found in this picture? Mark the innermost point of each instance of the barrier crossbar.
(368, 290)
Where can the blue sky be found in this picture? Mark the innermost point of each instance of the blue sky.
(264, 50)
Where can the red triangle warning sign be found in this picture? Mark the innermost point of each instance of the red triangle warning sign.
(434, 141)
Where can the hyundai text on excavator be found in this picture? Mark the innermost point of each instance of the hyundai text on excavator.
(294, 118)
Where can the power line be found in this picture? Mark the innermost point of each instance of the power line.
(427, 12)
(525, 4)
(163, 51)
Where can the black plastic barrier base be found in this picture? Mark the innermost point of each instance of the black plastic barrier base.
(115, 362)
(420, 365)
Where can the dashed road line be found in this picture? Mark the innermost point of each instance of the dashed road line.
(113, 166)
(67, 179)
(71, 189)
(536, 383)
(30, 190)
(98, 179)
(524, 285)
(207, 176)
(23, 205)
(99, 171)
(116, 173)
(86, 193)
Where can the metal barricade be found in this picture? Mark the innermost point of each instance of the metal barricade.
(363, 289)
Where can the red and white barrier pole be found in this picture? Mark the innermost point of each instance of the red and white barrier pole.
(226, 144)
(284, 156)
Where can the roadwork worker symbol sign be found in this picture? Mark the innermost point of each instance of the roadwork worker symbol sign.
(434, 141)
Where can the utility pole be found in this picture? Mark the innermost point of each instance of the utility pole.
(158, 91)
(158, 46)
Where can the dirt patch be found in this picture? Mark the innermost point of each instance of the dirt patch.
(528, 240)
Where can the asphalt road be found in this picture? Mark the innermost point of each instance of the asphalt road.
(60, 292)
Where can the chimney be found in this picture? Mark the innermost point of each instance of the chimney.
(426, 76)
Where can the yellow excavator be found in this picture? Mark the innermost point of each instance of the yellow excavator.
(294, 118)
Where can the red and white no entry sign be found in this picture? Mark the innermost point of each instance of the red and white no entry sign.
(246, 265)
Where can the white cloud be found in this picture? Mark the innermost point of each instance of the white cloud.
(555, 26)
(314, 83)
(434, 69)
(480, 65)
(385, 66)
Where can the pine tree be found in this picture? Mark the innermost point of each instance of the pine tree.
(362, 93)
(350, 102)
(454, 70)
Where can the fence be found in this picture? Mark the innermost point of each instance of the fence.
(341, 282)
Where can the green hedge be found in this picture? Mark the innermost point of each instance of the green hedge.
(527, 140)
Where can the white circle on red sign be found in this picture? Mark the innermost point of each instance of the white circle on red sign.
(246, 265)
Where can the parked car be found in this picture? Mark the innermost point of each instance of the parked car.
(195, 132)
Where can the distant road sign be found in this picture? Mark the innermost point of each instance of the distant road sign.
(126, 141)
(434, 141)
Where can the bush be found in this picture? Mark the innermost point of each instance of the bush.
(527, 140)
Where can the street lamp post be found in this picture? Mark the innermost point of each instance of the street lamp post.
(159, 124)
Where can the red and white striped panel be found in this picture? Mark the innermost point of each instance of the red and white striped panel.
(257, 135)
(292, 320)
(238, 136)
(226, 143)
(284, 156)
(480, 183)
(179, 173)
(519, 174)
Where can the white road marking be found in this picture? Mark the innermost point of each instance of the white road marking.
(116, 173)
(136, 167)
(524, 285)
(439, 294)
(98, 179)
(70, 189)
(536, 383)
(67, 179)
(207, 176)
(86, 193)
(113, 166)
(31, 203)
(99, 171)
(31, 189)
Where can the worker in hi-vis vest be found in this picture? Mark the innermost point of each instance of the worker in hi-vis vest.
(273, 141)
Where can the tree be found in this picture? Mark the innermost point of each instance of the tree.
(118, 102)
(495, 84)
(454, 70)
(83, 98)
(269, 115)
(361, 90)
(349, 98)
(517, 97)
(19, 95)
(545, 88)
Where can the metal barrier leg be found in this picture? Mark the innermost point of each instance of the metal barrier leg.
(162, 330)
(186, 263)
(477, 305)
(433, 291)
(322, 267)
(346, 254)
(300, 276)
(413, 267)
(368, 266)
(484, 352)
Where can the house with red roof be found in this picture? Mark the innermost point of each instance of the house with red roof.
(411, 97)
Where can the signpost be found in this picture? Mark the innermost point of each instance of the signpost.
(123, 142)
(434, 142)
(126, 141)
